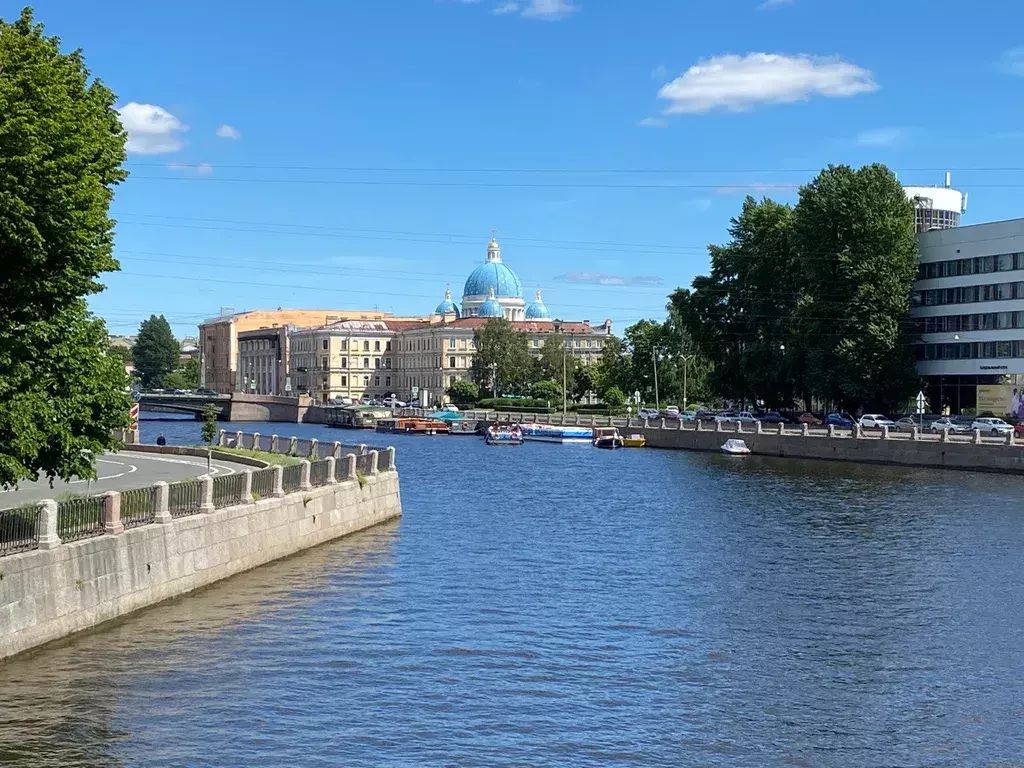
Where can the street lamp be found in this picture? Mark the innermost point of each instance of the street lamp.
(654, 359)
(686, 359)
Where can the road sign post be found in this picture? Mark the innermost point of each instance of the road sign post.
(920, 402)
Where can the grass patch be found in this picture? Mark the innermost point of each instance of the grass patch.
(361, 478)
(270, 458)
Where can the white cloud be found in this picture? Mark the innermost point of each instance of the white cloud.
(880, 137)
(202, 169)
(739, 83)
(550, 10)
(770, 5)
(652, 122)
(152, 130)
(510, 7)
(1012, 62)
(660, 72)
(228, 132)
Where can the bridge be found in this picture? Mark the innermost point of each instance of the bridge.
(238, 406)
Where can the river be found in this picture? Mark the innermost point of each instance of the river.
(564, 606)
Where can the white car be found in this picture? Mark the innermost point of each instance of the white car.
(744, 417)
(875, 421)
(451, 407)
(992, 426)
(393, 402)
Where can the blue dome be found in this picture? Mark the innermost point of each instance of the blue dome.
(537, 310)
(448, 307)
(493, 275)
(491, 307)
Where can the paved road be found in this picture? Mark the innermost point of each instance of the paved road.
(119, 471)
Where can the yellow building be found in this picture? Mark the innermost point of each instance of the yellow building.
(218, 338)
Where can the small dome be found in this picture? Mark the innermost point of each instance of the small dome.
(537, 310)
(491, 307)
(447, 307)
(493, 274)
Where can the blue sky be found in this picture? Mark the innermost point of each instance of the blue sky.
(356, 154)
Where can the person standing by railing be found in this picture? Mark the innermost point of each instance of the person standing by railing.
(161, 440)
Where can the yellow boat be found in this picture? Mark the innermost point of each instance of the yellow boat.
(634, 441)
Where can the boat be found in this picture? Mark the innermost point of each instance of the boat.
(634, 441)
(549, 433)
(496, 435)
(413, 426)
(607, 437)
(735, 448)
(463, 427)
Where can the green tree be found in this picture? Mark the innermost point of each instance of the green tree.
(61, 148)
(613, 397)
(121, 352)
(185, 377)
(502, 362)
(547, 389)
(210, 431)
(464, 391)
(156, 352)
(740, 316)
(614, 367)
(857, 254)
(583, 381)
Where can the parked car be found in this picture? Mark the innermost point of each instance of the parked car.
(905, 424)
(394, 402)
(772, 417)
(950, 424)
(669, 414)
(345, 400)
(1018, 430)
(875, 421)
(648, 413)
(842, 420)
(206, 391)
(745, 417)
(366, 400)
(991, 426)
(451, 407)
(810, 419)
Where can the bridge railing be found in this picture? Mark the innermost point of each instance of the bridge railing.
(296, 447)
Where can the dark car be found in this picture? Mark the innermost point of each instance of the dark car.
(809, 419)
(206, 391)
(842, 420)
(772, 417)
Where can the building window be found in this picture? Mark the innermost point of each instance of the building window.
(325, 344)
(376, 381)
(451, 343)
(387, 362)
(344, 343)
(387, 381)
(344, 362)
(451, 362)
(452, 380)
(366, 381)
(376, 362)
(366, 362)
(344, 381)
(325, 363)
(376, 346)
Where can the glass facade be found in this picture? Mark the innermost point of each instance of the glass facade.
(968, 294)
(928, 218)
(979, 265)
(974, 350)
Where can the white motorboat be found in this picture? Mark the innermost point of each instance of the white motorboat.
(735, 448)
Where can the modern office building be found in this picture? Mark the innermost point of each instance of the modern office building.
(969, 303)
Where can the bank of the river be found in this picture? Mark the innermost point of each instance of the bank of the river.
(565, 606)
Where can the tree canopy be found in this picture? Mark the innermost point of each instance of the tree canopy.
(502, 362)
(61, 150)
(156, 352)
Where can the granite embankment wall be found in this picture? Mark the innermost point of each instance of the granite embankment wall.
(65, 587)
(869, 449)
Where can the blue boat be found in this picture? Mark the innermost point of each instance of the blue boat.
(552, 433)
(496, 435)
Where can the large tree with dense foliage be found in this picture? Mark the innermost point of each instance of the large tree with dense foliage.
(740, 316)
(853, 232)
(156, 352)
(464, 391)
(502, 362)
(61, 150)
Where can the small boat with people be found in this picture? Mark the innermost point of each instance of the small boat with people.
(503, 435)
(735, 448)
(607, 437)
(552, 433)
(463, 427)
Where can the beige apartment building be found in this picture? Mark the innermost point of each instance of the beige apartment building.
(351, 358)
(433, 356)
(219, 339)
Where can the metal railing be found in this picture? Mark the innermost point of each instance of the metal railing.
(19, 529)
(227, 490)
(384, 460)
(263, 483)
(302, 448)
(184, 497)
(138, 506)
(319, 473)
(364, 463)
(292, 478)
(79, 518)
(340, 470)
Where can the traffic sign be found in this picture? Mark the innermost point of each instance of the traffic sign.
(920, 402)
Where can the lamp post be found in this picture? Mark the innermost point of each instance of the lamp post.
(654, 359)
(686, 359)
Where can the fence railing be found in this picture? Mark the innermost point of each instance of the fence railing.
(19, 529)
(263, 483)
(80, 518)
(320, 473)
(384, 460)
(138, 506)
(302, 448)
(227, 490)
(364, 464)
(292, 478)
(184, 497)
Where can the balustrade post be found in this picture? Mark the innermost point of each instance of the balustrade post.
(314, 449)
(679, 424)
(944, 437)
(718, 426)
(831, 430)
(857, 433)
(758, 429)
(700, 426)
(781, 429)
(374, 467)
(915, 433)
(110, 513)
(255, 441)
(293, 446)
(278, 491)
(246, 487)
(350, 467)
(336, 453)
(331, 461)
(161, 501)
(391, 457)
(206, 493)
(805, 428)
(739, 427)
(885, 431)
(222, 438)
(977, 437)
(304, 484)
(238, 439)
(1009, 437)
(274, 444)
(46, 525)
(361, 449)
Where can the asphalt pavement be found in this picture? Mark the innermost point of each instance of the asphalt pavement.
(118, 472)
